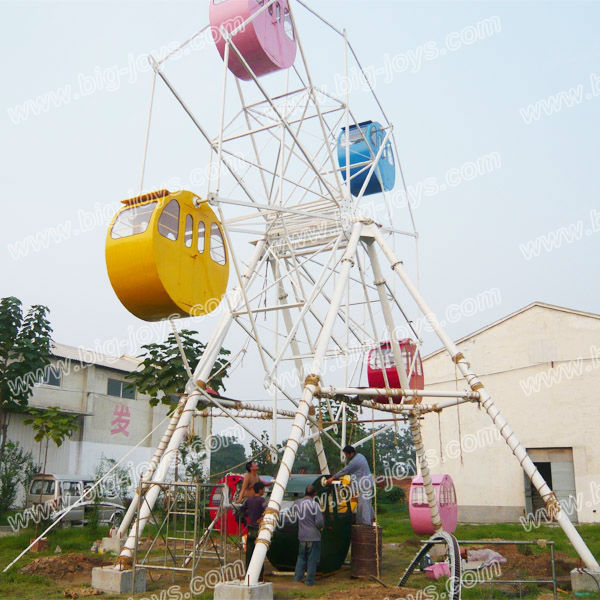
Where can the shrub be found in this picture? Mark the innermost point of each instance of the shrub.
(16, 468)
(394, 495)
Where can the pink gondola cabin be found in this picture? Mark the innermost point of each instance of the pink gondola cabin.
(267, 43)
(418, 507)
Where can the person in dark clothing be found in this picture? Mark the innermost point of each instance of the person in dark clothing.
(252, 512)
(310, 523)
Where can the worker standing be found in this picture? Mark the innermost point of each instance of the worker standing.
(252, 511)
(310, 523)
(250, 478)
(361, 484)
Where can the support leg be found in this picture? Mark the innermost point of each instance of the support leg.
(552, 506)
(415, 429)
(312, 380)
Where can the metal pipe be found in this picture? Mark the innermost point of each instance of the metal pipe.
(272, 512)
(332, 392)
(552, 504)
(415, 428)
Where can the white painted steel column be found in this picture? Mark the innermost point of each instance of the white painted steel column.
(201, 375)
(415, 428)
(552, 505)
(285, 468)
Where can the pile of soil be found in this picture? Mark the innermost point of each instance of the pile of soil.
(372, 592)
(80, 592)
(532, 566)
(66, 567)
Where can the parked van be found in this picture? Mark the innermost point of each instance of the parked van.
(56, 493)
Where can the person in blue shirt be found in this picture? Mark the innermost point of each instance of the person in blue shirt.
(361, 484)
(252, 512)
(310, 523)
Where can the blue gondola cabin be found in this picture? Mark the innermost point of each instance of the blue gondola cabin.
(365, 140)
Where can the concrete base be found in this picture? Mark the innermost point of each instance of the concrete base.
(588, 581)
(238, 590)
(109, 579)
(112, 544)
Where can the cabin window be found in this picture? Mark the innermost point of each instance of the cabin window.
(388, 358)
(419, 496)
(189, 230)
(168, 224)
(278, 12)
(217, 245)
(355, 135)
(288, 27)
(132, 221)
(201, 230)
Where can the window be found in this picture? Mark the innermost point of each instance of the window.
(217, 245)
(201, 230)
(189, 230)
(120, 389)
(287, 24)
(52, 376)
(418, 496)
(278, 12)
(388, 358)
(42, 486)
(132, 221)
(168, 224)
(70, 488)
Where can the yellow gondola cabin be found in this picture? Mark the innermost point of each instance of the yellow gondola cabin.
(166, 256)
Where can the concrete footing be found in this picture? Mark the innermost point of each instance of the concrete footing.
(584, 580)
(112, 544)
(238, 590)
(111, 580)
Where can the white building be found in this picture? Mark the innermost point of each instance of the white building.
(541, 365)
(114, 416)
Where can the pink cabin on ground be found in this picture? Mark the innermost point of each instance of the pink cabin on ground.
(418, 508)
(267, 43)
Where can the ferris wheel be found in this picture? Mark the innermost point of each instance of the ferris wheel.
(304, 204)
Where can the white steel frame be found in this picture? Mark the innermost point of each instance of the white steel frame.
(316, 249)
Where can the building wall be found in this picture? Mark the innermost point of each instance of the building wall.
(537, 367)
(109, 426)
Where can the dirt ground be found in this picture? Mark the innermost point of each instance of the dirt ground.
(372, 592)
(75, 568)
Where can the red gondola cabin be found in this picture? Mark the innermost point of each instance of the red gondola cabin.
(411, 359)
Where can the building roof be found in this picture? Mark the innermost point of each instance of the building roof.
(473, 334)
(83, 355)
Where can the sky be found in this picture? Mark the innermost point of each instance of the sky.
(495, 106)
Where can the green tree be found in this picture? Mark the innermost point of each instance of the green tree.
(25, 350)
(226, 453)
(117, 484)
(190, 459)
(263, 460)
(162, 374)
(51, 424)
(395, 449)
(16, 467)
